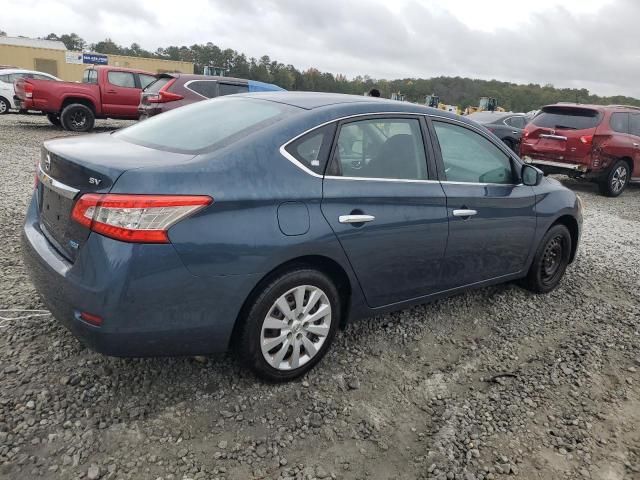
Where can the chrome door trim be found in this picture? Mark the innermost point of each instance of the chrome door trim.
(58, 187)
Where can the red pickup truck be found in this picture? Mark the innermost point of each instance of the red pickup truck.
(105, 92)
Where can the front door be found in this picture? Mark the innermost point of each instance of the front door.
(120, 94)
(492, 217)
(383, 202)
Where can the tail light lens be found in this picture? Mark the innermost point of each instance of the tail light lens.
(28, 90)
(164, 96)
(525, 133)
(135, 218)
(586, 139)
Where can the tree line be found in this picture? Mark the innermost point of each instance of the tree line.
(451, 90)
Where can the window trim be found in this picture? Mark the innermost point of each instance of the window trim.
(430, 149)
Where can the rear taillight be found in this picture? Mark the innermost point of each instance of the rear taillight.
(164, 96)
(28, 90)
(525, 133)
(586, 139)
(135, 218)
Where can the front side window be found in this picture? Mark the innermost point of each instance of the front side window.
(122, 79)
(471, 158)
(206, 88)
(312, 149)
(380, 148)
(620, 122)
(4, 78)
(90, 76)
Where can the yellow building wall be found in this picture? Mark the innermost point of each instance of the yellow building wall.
(53, 62)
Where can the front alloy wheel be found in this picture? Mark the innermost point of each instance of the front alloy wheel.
(289, 324)
(617, 179)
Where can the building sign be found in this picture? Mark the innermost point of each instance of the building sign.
(73, 57)
(95, 58)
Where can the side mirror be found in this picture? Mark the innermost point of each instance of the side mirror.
(531, 175)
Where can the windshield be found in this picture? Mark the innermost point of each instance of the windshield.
(563, 118)
(206, 125)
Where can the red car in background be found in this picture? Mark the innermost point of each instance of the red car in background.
(105, 92)
(594, 142)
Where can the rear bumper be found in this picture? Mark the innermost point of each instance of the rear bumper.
(148, 111)
(149, 302)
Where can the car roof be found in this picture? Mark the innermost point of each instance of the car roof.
(600, 108)
(318, 100)
(195, 76)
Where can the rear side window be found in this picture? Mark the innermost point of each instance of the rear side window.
(382, 148)
(206, 126)
(559, 118)
(206, 88)
(312, 149)
(145, 80)
(619, 122)
(230, 88)
(155, 86)
(517, 122)
(122, 79)
(4, 78)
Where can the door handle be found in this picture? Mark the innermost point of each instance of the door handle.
(464, 213)
(514, 132)
(111, 91)
(636, 145)
(356, 218)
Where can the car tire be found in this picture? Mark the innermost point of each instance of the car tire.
(77, 118)
(4, 106)
(616, 180)
(54, 119)
(296, 311)
(550, 261)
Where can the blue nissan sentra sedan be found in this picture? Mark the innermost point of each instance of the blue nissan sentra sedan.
(265, 221)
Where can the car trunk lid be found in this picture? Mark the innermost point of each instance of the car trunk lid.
(562, 134)
(71, 167)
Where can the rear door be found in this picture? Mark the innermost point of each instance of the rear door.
(383, 202)
(562, 134)
(492, 217)
(120, 94)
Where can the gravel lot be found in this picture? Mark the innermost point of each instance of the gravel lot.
(491, 384)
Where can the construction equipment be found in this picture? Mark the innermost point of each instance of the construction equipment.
(486, 104)
(432, 100)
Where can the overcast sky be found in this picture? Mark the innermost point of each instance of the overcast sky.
(569, 43)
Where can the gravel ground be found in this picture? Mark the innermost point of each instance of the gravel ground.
(494, 383)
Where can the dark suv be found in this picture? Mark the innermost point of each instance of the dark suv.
(595, 142)
(173, 90)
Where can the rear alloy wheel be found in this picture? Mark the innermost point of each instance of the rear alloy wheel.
(4, 106)
(290, 325)
(550, 261)
(77, 118)
(617, 179)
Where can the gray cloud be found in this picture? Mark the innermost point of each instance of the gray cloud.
(412, 38)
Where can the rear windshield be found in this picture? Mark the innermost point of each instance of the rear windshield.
(206, 125)
(567, 118)
(155, 86)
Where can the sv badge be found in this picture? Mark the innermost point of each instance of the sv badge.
(94, 181)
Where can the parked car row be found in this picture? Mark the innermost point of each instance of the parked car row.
(121, 93)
